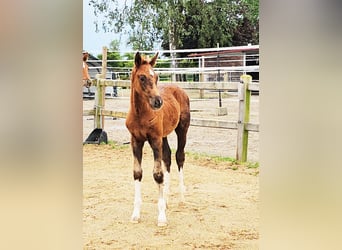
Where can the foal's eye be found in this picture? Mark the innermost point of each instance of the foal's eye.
(142, 78)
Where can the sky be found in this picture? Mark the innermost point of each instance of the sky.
(94, 41)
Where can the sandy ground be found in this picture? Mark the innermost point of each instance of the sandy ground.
(221, 209)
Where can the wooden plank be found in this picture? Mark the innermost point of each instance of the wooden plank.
(254, 86)
(252, 127)
(184, 85)
(208, 85)
(194, 121)
(222, 124)
(213, 123)
(232, 86)
(103, 112)
(117, 83)
(89, 112)
(112, 113)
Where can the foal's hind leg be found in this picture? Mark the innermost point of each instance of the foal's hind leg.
(137, 175)
(167, 163)
(181, 132)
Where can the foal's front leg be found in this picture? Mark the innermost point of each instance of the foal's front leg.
(158, 175)
(137, 147)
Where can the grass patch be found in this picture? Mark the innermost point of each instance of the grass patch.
(252, 165)
(116, 145)
(221, 162)
(199, 156)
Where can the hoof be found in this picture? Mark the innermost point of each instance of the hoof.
(135, 220)
(158, 177)
(162, 223)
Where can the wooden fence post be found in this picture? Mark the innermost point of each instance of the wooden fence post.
(201, 77)
(100, 92)
(244, 104)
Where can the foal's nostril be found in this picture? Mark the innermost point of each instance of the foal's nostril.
(158, 102)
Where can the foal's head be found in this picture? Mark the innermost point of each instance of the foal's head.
(144, 80)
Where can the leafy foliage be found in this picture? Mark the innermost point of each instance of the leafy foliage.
(180, 23)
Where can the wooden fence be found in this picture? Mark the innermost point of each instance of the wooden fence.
(244, 88)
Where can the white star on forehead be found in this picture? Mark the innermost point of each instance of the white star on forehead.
(151, 72)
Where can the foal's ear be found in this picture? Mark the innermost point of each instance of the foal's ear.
(154, 59)
(137, 60)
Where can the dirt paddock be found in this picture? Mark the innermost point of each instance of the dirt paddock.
(221, 208)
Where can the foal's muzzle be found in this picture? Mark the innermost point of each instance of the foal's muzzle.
(156, 102)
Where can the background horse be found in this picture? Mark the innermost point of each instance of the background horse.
(153, 114)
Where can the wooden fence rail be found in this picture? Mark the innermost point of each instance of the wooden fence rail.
(224, 86)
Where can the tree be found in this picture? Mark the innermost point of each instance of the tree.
(247, 29)
(180, 23)
(113, 54)
(135, 18)
(220, 22)
(208, 24)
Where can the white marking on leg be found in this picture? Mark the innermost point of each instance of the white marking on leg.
(162, 221)
(181, 184)
(137, 202)
(166, 186)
